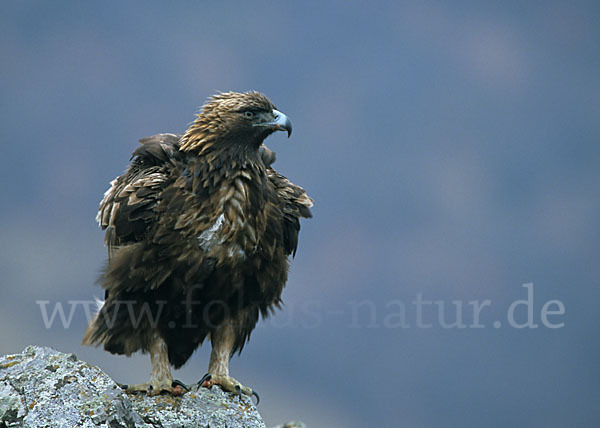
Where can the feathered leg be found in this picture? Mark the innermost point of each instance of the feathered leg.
(222, 340)
(161, 379)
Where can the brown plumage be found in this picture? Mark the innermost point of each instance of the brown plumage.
(199, 231)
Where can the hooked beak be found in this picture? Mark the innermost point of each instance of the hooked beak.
(280, 123)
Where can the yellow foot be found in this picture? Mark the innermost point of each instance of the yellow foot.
(155, 387)
(229, 384)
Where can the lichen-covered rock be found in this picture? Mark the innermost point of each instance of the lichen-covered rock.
(42, 387)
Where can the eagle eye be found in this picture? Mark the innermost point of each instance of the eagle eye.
(248, 114)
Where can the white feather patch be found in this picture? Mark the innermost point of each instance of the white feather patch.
(99, 304)
(210, 237)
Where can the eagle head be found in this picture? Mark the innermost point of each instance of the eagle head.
(230, 119)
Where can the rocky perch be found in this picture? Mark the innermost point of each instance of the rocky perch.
(42, 387)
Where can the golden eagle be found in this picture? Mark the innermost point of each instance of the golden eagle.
(199, 231)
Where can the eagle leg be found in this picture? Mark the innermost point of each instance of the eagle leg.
(161, 379)
(222, 340)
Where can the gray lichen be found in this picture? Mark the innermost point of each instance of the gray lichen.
(42, 387)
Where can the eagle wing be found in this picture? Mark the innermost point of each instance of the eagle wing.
(128, 207)
(295, 202)
(295, 205)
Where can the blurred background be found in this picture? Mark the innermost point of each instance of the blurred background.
(452, 149)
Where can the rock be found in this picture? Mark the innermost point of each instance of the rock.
(42, 387)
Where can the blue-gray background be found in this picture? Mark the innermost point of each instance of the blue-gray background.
(452, 149)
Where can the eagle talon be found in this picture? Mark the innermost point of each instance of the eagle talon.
(179, 386)
(227, 384)
(205, 378)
